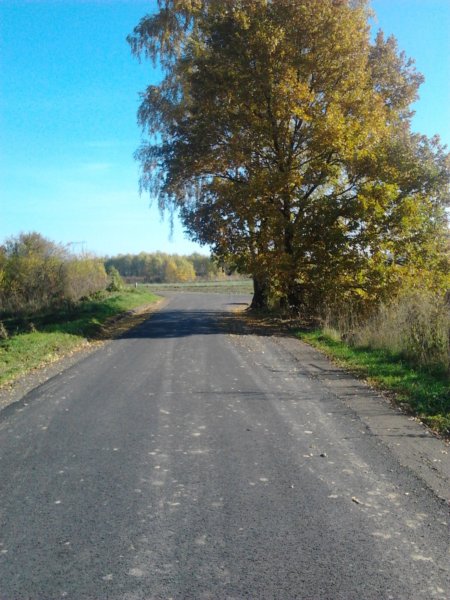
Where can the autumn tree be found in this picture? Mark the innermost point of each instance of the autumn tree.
(37, 274)
(283, 135)
(178, 269)
(32, 273)
(205, 267)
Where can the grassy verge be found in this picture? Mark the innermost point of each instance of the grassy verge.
(421, 392)
(59, 334)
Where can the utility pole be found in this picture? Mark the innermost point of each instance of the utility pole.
(82, 244)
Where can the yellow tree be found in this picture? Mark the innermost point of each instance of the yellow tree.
(278, 130)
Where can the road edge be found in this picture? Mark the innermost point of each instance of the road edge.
(412, 443)
(114, 328)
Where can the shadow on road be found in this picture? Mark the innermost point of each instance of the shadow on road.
(181, 323)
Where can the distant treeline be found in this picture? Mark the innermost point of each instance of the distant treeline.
(37, 274)
(159, 267)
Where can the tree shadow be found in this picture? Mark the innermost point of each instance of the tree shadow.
(174, 323)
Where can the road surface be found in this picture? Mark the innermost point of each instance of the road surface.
(185, 461)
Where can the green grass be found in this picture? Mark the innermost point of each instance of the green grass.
(424, 393)
(60, 333)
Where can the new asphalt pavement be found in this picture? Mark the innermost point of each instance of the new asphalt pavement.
(194, 460)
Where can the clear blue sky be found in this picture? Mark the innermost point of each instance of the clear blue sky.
(68, 99)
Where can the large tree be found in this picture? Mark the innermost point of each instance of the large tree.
(283, 135)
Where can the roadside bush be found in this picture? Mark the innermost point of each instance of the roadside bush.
(83, 277)
(116, 283)
(36, 275)
(32, 274)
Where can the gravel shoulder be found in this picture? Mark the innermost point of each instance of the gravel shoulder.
(414, 445)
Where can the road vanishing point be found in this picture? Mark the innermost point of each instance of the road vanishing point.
(192, 459)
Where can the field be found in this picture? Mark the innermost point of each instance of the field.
(226, 286)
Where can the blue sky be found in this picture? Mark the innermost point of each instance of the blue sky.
(68, 99)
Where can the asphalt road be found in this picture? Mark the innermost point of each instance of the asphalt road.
(185, 461)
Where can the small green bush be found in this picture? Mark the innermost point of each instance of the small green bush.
(116, 283)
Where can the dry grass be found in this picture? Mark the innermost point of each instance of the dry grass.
(416, 326)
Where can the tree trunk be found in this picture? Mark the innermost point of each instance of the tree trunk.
(295, 297)
(260, 292)
(291, 299)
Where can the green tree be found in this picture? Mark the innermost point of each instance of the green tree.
(156, 268)
(205, 266)
(284, 136)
